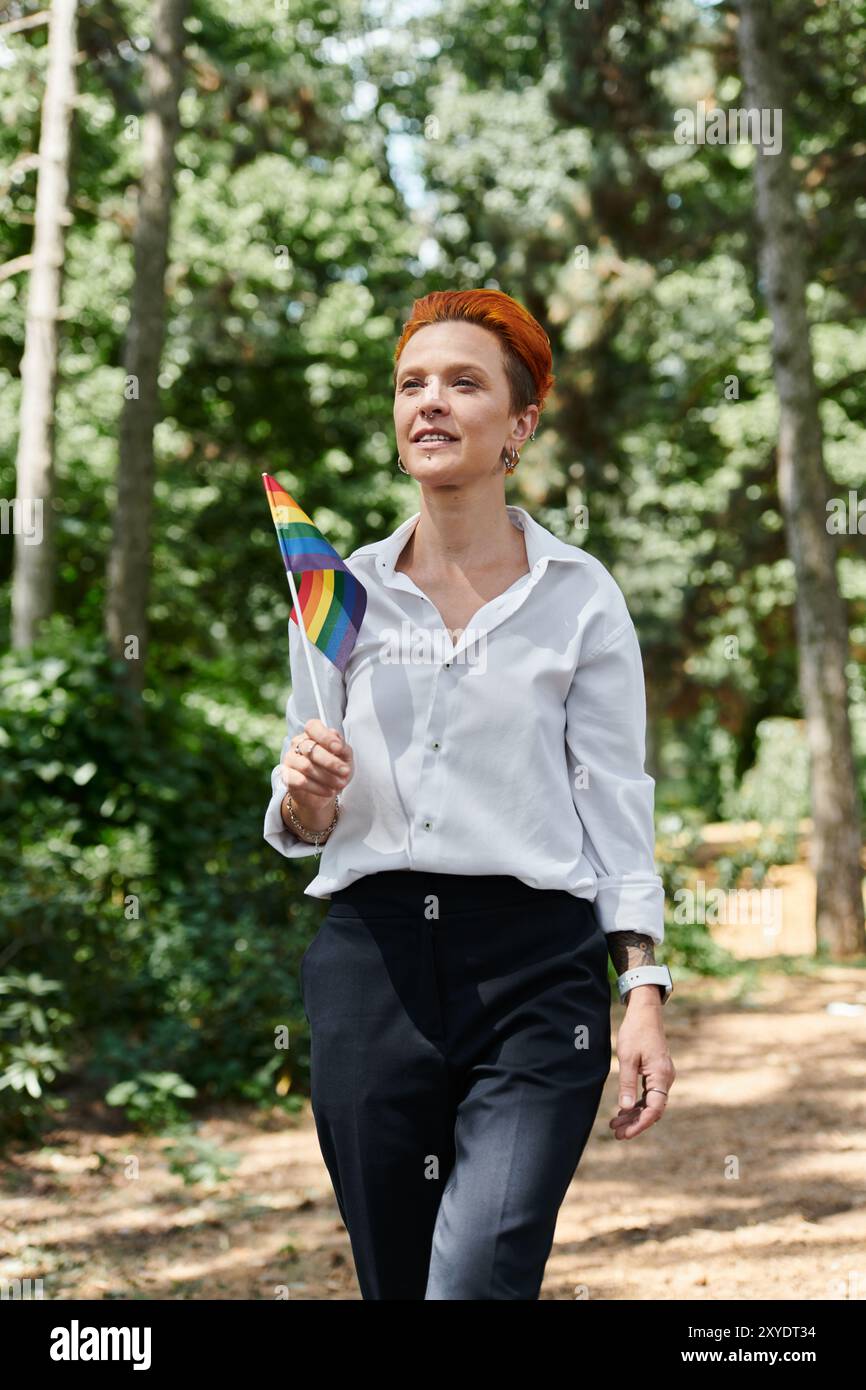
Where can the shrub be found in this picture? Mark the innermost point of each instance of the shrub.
(33, 1035)
(135, 874)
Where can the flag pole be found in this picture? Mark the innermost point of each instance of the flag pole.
(306, 642)
(299, 615)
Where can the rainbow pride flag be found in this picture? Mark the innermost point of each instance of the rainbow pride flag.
(332, 600)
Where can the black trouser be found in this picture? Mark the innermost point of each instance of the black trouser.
(458, 1062)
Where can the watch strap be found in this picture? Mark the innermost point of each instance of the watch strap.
(646, 975)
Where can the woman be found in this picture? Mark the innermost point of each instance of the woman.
(487, 824)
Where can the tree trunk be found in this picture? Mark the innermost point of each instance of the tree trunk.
(804, 488)
(129, 563)
(33, 570)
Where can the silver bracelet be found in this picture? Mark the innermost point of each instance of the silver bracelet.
(317, 835)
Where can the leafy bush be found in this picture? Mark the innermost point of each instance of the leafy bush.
(152, 1100)
(135, 873)
(197, 1160)
(33, 1035)
(776, 788)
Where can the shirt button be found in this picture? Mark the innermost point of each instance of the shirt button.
(447, 665)
(436, 744)
(428, 825)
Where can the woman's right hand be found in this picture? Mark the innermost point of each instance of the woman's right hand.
(317, 765)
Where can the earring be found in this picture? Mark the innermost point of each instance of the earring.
(532, 436)
(511, 464)
(400, 465)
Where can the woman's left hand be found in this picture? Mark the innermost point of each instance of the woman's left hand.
(642, 1050)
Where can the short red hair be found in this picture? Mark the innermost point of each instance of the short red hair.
(526, 350)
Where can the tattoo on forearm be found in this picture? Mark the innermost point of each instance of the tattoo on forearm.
(629, 949)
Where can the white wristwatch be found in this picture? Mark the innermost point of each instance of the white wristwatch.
(646, 975)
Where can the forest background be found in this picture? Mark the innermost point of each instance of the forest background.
(329, 164)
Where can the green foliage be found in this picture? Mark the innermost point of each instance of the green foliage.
(34, 1032)
(689, 946)
(776, 789)
(771, 848)
(152, 1100)
(135, 878)
(197, 1160)
(135, 873)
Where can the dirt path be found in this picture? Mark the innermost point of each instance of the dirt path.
(771, 1083)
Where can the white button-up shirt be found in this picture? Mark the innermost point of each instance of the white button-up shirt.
(517, 750)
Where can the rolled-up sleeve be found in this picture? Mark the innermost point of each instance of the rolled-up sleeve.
(301, 706)
(613, 794)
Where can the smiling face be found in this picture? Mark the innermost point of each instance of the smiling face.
(451, 378)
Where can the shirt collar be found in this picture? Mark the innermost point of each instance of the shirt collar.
(541, 544)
